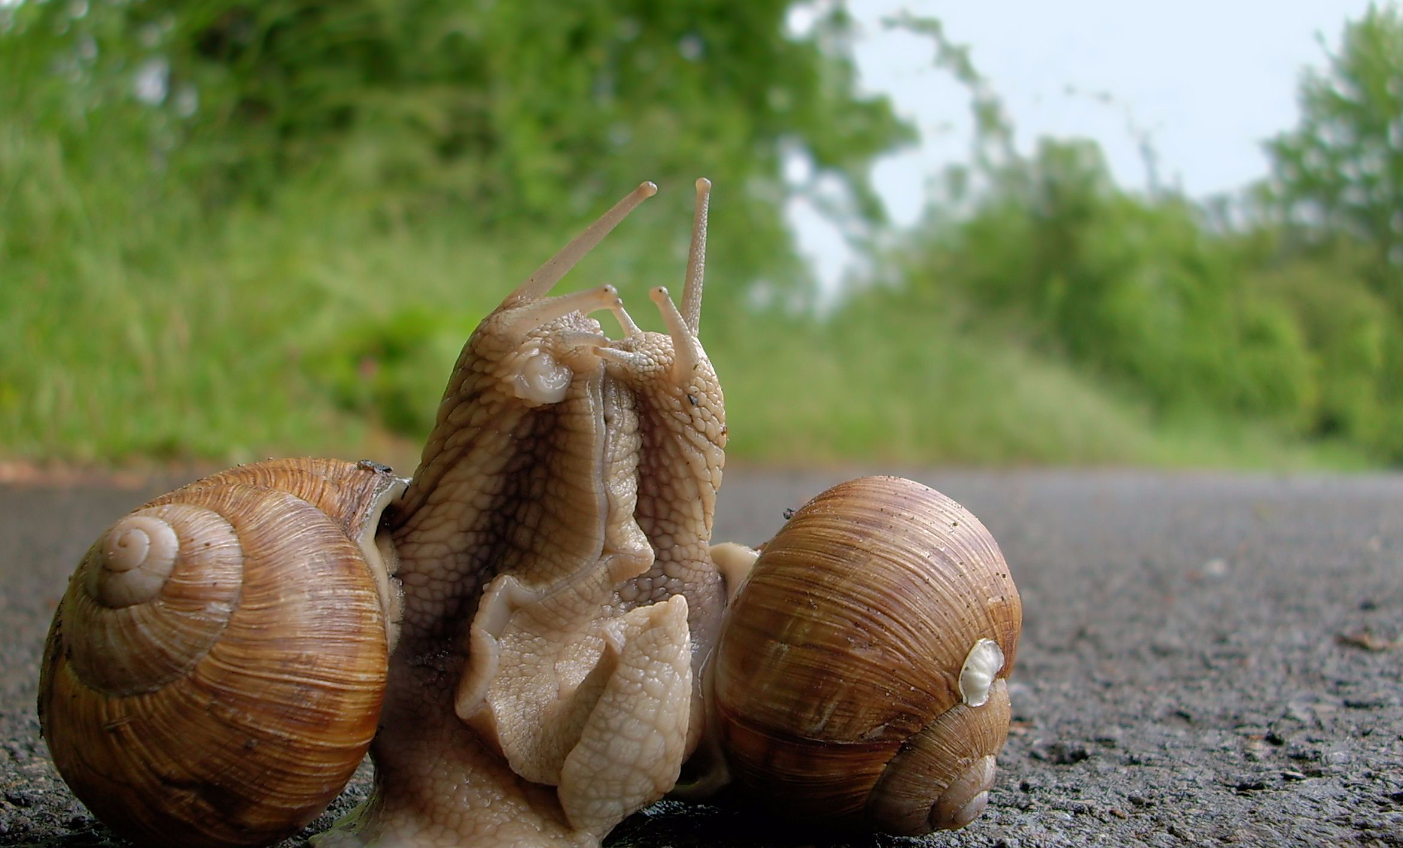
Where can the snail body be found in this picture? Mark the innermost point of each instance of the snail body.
(859, 679)
(210, 679)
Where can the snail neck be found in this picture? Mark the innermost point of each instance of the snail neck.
(513, 490)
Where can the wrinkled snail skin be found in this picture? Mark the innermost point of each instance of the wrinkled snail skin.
(149, 703)
(860, 678)
(526, 706)
(681, 425)
(505, 614)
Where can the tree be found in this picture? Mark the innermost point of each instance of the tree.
(1339, 174)
(522, 109)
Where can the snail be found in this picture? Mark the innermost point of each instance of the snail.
(860, 677)
(149, 701)
(530, 635)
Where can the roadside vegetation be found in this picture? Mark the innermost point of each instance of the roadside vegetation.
(234, 230)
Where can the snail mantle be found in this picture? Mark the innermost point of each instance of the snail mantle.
(534, 634)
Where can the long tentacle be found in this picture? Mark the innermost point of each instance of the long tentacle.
(560, 264)
(696, 259)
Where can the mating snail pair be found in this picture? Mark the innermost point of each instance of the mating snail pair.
(534, 634)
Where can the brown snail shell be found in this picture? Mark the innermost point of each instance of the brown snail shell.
(860, 676)
(214, 672)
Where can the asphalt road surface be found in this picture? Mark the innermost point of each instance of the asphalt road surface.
(1205, 660)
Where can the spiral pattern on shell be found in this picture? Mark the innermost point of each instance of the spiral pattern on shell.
(845, 682)
(215, 670)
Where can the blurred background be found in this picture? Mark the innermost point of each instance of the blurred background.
(940, 233)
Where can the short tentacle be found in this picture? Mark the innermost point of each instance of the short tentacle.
(631, 329)
(687, 349)
(523, 319)
(627, 358)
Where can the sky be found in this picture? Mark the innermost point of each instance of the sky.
(1207, 80)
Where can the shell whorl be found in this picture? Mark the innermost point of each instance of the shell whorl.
(136, 556)
(153, 595)
(215, 671)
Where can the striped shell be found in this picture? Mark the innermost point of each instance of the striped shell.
(214, 673)
(860, 677)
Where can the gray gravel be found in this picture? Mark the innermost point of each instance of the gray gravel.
(1206, 659)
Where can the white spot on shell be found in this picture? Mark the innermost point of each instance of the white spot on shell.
(981, 664)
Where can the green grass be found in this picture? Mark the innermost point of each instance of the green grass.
(884, 388)
(137, 327)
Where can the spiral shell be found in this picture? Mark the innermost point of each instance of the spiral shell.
(860, 677)
(214, 672)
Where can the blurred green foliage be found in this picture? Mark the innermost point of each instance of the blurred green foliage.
(1282, 308)
(232, 228)
(1338, 176)
(185, 179)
